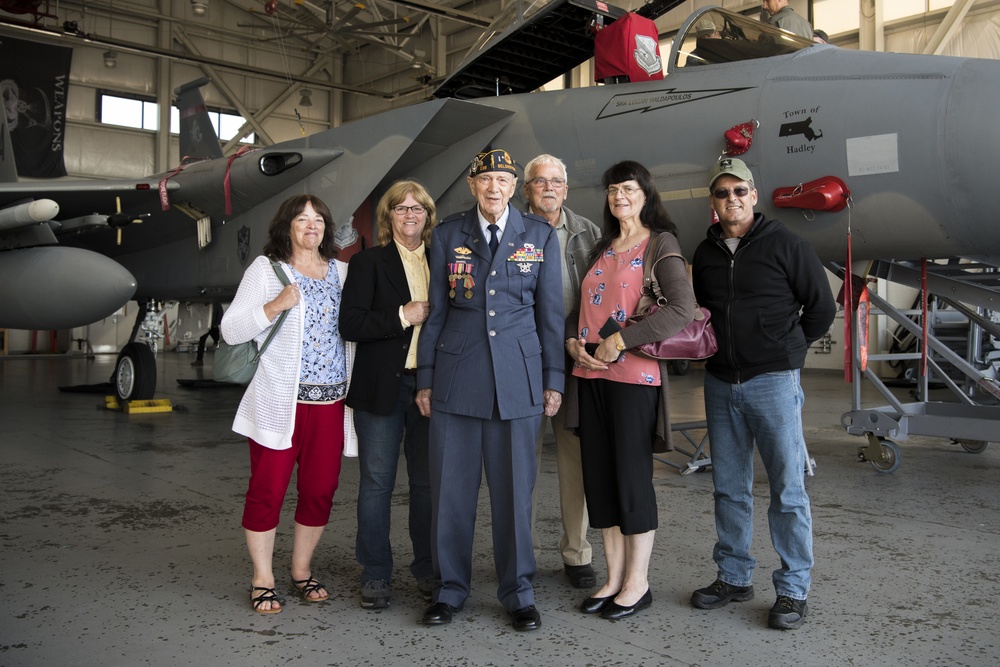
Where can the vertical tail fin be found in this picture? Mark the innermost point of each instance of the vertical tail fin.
(198, 138)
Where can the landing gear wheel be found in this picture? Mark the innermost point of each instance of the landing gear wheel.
(973, 446)
(135, 373)
(891, 459)
(680, 366)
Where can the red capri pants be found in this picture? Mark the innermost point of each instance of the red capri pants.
(317, 445)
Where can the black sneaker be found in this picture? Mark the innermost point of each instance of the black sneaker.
(787, 613)
(719, 594)
(375, 594)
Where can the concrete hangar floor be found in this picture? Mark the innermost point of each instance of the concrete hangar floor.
(122, 546)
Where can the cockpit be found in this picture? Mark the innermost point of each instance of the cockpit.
(718, 36)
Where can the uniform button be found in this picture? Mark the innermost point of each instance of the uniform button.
(493, 273)
(492, 332)
(493, 292)
(493, 313)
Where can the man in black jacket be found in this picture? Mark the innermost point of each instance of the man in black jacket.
(769, 299)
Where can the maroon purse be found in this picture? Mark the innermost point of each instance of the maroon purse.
(695, 341)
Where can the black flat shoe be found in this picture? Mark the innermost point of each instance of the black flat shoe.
(526, 618)
(596, 605)
(439, 613)
(614, 611)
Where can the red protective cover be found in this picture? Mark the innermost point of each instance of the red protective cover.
(824, 194)
(628, 47)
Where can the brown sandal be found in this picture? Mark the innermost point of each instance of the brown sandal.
(267, 596)
(307, 586)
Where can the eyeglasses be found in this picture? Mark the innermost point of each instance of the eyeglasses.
(628, 190)
(543, 182)
(401, 210)
(739, 191)
(486, 179)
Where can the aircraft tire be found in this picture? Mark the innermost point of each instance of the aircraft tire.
(680, 366)
(135, 373)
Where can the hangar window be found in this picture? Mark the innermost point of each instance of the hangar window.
(142, 113)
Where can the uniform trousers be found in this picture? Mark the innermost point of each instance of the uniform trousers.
(317, 446)
(617, 430)
(460, 448)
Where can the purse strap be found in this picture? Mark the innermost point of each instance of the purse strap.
(281, 318)
(650, 286)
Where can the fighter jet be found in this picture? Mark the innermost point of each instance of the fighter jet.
(902, 139)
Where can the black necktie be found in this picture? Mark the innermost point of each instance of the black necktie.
(494, 241)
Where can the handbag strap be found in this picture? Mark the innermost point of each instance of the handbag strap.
(281, 318)
(650, 286)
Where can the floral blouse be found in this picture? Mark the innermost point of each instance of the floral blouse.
(611, 288)
(323, 377)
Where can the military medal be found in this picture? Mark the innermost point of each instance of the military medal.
(527, 253)
(460, 271)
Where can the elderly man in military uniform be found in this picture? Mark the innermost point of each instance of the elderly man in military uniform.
(490, 363)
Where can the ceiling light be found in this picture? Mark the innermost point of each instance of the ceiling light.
(110, 59)
(199, 7)
(305, 99)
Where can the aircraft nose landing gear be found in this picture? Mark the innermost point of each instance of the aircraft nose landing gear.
(134, 378)
(135, 373)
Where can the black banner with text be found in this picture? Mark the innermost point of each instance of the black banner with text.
(34, 79)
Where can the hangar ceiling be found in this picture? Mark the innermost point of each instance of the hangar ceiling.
(317, 27)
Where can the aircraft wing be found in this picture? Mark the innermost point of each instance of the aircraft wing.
(432, 142)
(44, 285)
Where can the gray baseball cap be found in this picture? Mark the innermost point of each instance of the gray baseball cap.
(733, 167)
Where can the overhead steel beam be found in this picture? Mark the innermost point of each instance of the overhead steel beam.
(951, 24)
(444, 12)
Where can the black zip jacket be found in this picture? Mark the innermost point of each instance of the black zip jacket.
(769, 300)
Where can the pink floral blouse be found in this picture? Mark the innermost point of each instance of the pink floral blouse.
(611, 288)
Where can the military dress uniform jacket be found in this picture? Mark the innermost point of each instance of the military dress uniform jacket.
(494, 334)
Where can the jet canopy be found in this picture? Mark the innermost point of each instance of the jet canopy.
(714, 36)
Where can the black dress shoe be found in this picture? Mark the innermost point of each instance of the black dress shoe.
(439, 613)
(615, 611)
(581, 576)
(526, 618)
(596, 605)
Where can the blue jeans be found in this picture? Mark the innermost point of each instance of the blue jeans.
(379, 439)
(766, 410)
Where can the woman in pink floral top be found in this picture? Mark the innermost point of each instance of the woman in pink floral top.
(623, 396)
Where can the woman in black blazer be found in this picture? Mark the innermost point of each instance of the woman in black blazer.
(384, 303)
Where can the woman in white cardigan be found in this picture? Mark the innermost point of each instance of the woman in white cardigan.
(293, 411)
